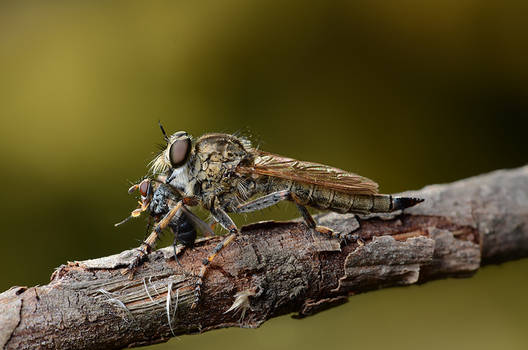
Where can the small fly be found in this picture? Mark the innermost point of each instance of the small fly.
(158, 198)
(225, 174)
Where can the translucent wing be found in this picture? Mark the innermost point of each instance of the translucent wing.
(318, 174)
(197, 222)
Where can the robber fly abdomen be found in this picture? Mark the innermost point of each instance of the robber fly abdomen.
(323, 198)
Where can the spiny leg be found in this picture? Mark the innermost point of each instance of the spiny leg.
(276, 197)
(226, 222)
(310, 222)
(148, 227)
(150, 242)
(264, 201)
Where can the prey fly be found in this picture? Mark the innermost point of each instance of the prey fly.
(158, 198)
(225, 174)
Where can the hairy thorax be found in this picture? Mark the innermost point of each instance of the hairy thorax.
(212, 172)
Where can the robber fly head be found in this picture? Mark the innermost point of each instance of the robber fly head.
(176, 153)
(178, 149)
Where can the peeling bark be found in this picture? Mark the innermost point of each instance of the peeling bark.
(275, 268)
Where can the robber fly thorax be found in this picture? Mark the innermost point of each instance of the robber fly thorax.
(208, 172)
(222, 172)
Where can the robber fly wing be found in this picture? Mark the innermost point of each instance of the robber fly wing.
(197, 222)
(307, 172)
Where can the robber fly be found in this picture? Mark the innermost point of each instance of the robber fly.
(221, 172)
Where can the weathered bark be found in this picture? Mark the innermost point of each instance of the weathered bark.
(274, 269)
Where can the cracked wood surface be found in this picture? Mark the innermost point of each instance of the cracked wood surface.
(274, 269)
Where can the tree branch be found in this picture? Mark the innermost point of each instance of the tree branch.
(275, 268)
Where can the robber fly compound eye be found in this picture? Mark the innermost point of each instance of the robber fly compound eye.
(179, 151)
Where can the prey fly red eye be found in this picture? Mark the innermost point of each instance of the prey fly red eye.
(144, 188)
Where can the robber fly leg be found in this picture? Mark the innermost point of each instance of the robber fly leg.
(264, 201)
(150, 242)
(148, 227)
(310, 222)
(226, 222)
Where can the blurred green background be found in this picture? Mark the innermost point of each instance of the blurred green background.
(406, 92)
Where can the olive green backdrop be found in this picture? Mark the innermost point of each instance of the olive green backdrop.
(408, 93)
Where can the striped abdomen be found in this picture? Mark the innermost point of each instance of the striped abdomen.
(341, 202)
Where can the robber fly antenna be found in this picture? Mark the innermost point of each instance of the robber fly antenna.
(163, 131)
